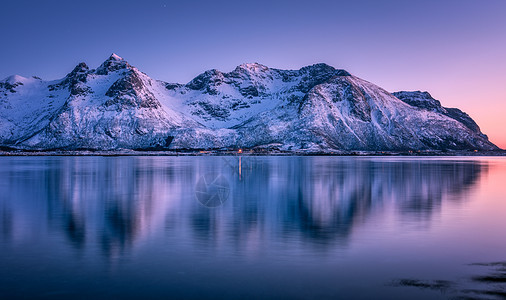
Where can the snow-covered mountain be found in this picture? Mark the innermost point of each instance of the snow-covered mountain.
(315, 108)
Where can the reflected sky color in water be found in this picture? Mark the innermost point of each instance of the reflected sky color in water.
(293, 227)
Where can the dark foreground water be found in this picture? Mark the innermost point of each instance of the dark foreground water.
(252, 227)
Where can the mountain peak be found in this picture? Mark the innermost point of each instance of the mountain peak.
(13, 79)
(80, 68)
(319, 66)
(420, 99)
(113, 63)
(323, 68)
(79, 73)
(115, 56)
(17, 80)
(252, 67)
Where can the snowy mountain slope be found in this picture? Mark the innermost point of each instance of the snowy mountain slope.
(346, 112)
(107, 108)
(351, 113)
(224, 100)
(317, 108)
(26, 106)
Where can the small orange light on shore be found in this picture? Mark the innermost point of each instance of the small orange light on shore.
(239, 151)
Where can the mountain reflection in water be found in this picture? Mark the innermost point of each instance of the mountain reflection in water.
(120, 202)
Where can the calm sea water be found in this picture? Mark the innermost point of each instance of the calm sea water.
(252, 227)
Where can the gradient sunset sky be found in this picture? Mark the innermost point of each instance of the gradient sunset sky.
(456, 50)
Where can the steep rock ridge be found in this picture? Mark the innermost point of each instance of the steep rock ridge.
(112, 64)
(315, 108)
(425, 101)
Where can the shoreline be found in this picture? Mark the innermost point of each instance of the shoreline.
(251, 153)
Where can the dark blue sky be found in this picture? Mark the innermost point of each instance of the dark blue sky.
(454, 49)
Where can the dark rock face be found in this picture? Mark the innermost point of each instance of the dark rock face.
(74, 81)
(249, 91)
(420, 99)
(130, 91)
(9, 87)
(317, 74)
(113, 63)
(425, 101)
(76, 77)
(173, 86)
(215, 111)
(79, 73)
(207, 79)
(357, 98)
(159, 144)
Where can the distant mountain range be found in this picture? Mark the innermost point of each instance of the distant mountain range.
(316, 108)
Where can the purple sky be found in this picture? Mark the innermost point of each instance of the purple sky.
(456, 50)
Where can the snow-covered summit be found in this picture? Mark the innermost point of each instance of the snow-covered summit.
(19, 80)
(13, 79)
(251, 68)
(115, 56)
(317, 107)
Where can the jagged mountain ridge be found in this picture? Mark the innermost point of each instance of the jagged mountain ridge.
(425, 101)
(315, 108)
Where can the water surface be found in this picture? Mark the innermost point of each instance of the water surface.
(255, 227)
